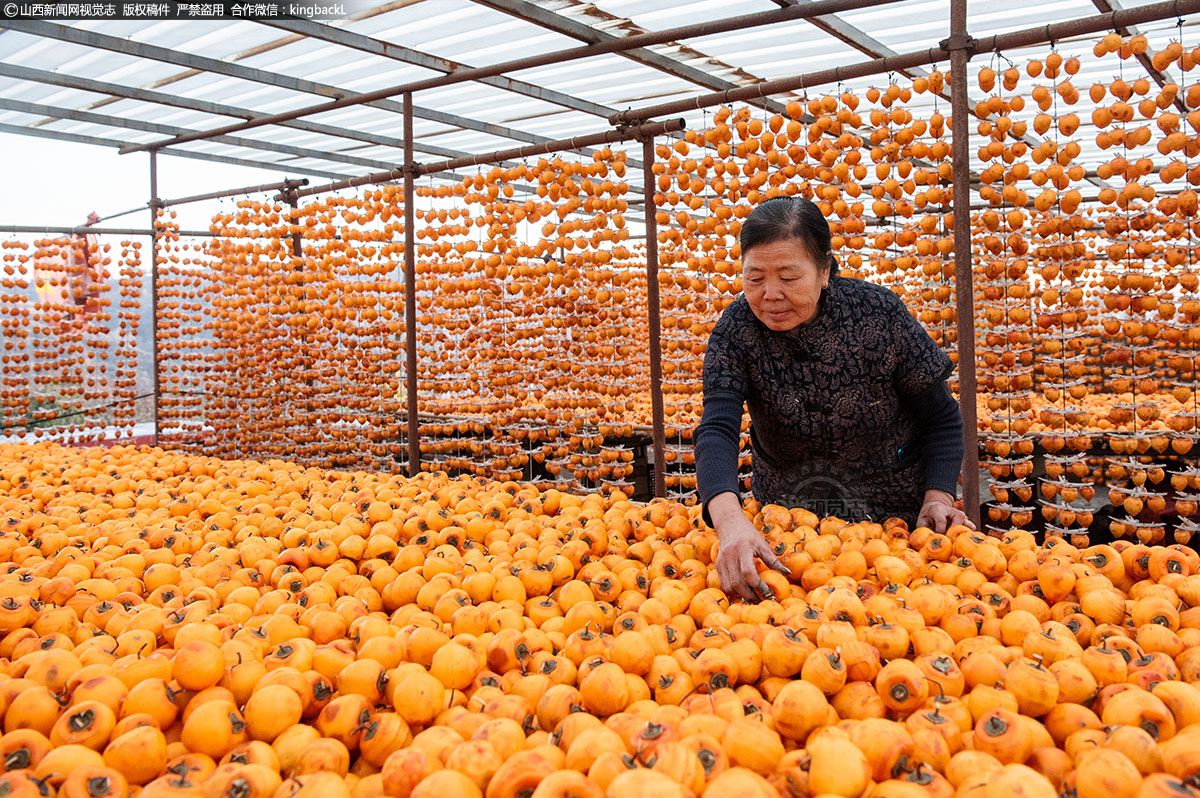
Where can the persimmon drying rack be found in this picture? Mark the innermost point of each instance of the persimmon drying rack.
(959, 46)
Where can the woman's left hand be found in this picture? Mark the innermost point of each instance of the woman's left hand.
(939, 513)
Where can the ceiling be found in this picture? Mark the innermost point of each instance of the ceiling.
(121, 83)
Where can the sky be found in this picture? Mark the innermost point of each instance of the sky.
(48, 183)
(58, 183)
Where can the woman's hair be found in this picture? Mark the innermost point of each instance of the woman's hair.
(795, 218)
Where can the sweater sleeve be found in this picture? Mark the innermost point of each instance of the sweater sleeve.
(717, 438)
(941, 435)
(717, 443)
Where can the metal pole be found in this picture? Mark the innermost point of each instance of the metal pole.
(656, 394)
(297, 237)
(304, 448)
(959, 45)
(154, 282)
(138, 209)
(517, 153)
(96, 231)
(897, 63)
(283, 186)
(623, 43)
(623, 133)
(410, 289)
(878, 66)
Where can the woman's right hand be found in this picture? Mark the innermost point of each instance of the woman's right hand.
(740, 545)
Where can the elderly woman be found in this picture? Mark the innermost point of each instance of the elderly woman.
(849, 408)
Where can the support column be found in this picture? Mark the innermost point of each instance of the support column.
(410, 289)
(304, 447)
(297, 237)
(154, 207)
(959, 45)
(656, 394)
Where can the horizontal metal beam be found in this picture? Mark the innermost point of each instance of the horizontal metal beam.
(89, 38)
(77, 138)
(204, 106)
(172, 130)
(783, 85)
(530, 12)
(138, 209)
(396, 52)
(573, 143)
(594, 139)
(407, 55)
(96, 231)
(266, 146)
(284, 185)
(1114, 20)
(347, 99)
(1027, 37)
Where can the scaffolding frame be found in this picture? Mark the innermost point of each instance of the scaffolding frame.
(958, 48)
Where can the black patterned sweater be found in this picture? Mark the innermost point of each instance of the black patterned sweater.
(850, 412)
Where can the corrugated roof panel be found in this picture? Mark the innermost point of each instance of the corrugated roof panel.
(18, 118)
(138, 72)
(911, 25)
(375, 120)
(563, 125)
(777, 51)
(125, 28)
(322, 62)
(201, 38)
(397, 27)
(389, 154)
(366, 117)
(462, 31)
(179, 117)
(468, 141)
(153, 112)
(98, 131)
(316, 141)
(660, 14)
(990, 20)
(609, 79)
(27, 91)
(27, 50)
(484, 102)
(238, 93)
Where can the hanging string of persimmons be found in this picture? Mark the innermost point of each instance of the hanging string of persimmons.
(69, 325)
(532, 318)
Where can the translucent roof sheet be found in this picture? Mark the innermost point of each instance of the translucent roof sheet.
(223, 71)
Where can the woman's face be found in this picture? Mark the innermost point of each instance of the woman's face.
(782, 284)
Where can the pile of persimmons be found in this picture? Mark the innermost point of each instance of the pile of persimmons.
(174, 625)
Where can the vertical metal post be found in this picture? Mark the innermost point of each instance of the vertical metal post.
(656, 394)
(297, 237)
(303, 442)
(154, 284)
(964, 283)
(410, 288)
